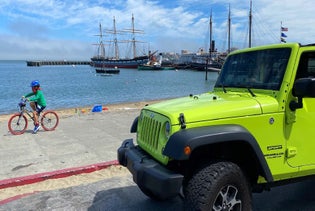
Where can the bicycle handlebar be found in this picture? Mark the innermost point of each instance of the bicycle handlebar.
(22, 102)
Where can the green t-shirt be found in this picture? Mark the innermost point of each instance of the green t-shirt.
(38, 97)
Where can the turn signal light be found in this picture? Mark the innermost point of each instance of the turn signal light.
(187, 150)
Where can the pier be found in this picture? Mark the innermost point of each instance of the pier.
(61, 62)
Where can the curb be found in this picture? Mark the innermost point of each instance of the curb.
(25, 180)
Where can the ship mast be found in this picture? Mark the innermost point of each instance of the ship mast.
(115, 39)
(133, 37)
(133, 32)
(210, 47)
(229, 30)
(101, 48)
(250, 26)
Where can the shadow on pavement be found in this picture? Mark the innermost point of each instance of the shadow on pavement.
(131, 198)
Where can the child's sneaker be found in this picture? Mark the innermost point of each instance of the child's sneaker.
(36, 128)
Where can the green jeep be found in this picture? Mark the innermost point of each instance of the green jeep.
(253, 131)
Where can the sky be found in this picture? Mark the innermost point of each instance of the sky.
(69, 29)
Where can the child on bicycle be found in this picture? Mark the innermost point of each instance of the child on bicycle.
(37, 102)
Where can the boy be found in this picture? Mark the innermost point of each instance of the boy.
(37, 102)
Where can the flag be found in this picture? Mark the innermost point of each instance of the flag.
(283, 40)
(283, 34)
(284, 29)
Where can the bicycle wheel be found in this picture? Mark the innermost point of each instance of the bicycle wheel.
(17, 124)
(49, 120)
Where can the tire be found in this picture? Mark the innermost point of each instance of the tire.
(17, 124)
(219, 186)
(49, 120)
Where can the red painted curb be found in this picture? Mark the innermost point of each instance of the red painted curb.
(13, 182)
(13, 198)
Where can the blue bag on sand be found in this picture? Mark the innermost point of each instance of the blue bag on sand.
(97, 108)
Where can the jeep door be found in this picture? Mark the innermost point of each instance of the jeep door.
(301, 132)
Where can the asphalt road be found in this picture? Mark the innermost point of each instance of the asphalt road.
(120, 193)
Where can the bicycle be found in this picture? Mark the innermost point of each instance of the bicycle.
(18, 122)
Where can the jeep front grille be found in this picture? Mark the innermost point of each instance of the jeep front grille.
(150, 132)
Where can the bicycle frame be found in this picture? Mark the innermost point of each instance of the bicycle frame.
(24, 110)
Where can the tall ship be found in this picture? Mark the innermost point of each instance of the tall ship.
(102, 60)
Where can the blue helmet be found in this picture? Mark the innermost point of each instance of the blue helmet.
(35, 83)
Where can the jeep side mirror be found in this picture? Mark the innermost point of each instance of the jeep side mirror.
(303, 87)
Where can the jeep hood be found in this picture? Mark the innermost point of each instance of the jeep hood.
(209, 106)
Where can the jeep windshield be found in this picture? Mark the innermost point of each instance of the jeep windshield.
(262, 69)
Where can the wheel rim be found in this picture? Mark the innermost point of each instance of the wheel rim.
(49, 120)
(17, 124)
(227, 199)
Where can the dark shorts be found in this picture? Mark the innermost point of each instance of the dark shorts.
(39, 108)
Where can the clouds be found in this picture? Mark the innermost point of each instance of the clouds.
(27, 29)
(54, 29)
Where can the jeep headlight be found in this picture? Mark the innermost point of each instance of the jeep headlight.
(167, 129)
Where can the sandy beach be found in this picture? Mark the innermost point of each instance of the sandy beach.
(81, 138)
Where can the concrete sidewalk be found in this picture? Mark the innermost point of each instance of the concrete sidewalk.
(80, 140)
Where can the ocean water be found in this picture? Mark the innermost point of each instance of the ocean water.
(78, 86)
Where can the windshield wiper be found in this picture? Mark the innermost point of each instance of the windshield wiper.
(251, 92)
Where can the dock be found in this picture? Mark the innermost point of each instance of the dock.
(61, 62)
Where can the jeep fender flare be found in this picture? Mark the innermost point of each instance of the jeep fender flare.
(202, 136)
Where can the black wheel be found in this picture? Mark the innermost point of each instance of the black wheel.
(17, 124)
(49, 120)
(219, 186)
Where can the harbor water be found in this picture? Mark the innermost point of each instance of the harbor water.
(79, 86)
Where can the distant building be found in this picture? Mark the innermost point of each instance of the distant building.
(186, 57)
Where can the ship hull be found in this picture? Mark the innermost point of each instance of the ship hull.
(119, 63)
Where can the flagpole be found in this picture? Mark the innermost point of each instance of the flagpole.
(280, 31)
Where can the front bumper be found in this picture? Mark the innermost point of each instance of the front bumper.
(147, 173)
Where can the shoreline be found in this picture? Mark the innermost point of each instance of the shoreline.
(66, 112)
